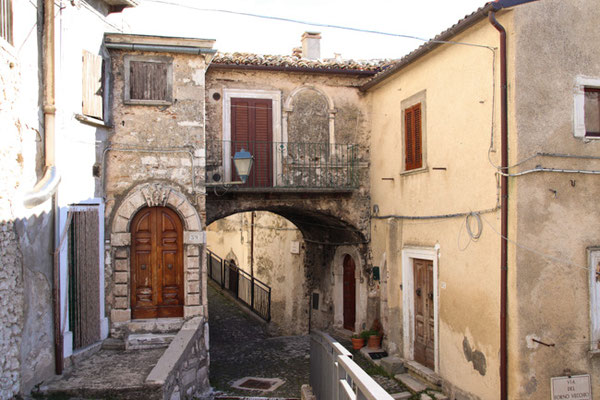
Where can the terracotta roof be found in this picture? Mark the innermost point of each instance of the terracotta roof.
(425, 48)
(293, 63)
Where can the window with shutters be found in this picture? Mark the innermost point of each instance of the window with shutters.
(148, 80)
(413, 129)
(594, 277)
(6, 20)
(92, 87)
(587, 108)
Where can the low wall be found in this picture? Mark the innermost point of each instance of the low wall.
(183, 368)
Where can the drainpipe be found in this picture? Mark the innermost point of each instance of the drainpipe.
(47, 186)
(503, 208)
(496, 6)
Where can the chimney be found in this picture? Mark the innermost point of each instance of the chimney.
(311, 45)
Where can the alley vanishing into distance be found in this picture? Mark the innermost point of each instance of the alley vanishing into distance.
(241, 347)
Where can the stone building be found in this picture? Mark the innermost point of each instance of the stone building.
(270, 248)
(52, 113)
(307, 125)
(440, 112)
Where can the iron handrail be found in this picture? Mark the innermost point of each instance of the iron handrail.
(244, 281)
(291, 165)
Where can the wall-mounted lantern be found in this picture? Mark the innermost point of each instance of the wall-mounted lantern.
(242, 160)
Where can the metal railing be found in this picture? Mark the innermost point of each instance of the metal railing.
(246, 288)
(290, 164)
(335, 376)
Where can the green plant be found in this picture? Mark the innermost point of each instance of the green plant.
(356, 336)
(365, 334)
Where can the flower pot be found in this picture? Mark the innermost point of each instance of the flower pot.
(358, 344)
(374, 342)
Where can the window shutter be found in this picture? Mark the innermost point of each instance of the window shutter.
(413, 137)
(148, 81)
(409, 139)
(92, 85)
(6, 20)
(418, 157)
(240, 122)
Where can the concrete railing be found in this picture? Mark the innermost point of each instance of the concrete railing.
(335, 376)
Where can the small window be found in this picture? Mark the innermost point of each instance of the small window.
(587, 108)
(92, 99)
(413, 138)
(315, 301)
(148, 80)
(592, 112)
(6, 20)
(594, 265)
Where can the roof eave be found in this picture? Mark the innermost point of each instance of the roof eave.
(434, 43)
(338, 71)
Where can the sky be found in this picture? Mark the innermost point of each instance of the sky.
(423, 18)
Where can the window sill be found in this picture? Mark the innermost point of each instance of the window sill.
(148, 102)
(91, 121)
(414, 171)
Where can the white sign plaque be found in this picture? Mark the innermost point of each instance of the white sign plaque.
(295, 247)
(577, 387)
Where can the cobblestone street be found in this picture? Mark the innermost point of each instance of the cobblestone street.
(240, 347)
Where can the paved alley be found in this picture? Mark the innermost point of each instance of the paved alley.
(241, 347)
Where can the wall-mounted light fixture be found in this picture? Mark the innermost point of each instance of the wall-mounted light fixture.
(242, 160)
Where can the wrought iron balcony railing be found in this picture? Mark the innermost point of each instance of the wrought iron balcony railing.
(290, 165)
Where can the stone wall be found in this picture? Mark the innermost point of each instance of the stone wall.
(183, 368)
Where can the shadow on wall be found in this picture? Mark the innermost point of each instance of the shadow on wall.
(26, 303)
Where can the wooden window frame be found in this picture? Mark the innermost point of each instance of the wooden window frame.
(92, 105)
(408, 108)
(168, 61)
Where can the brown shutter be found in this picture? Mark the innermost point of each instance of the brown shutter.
(413, 137)
(92, 85)
(418, 157)
(148, 80)
(252, 129)
(6, 20)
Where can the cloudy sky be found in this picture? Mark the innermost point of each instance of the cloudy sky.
(192, 18)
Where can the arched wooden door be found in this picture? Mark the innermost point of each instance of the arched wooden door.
(156, 264)
(349, 293)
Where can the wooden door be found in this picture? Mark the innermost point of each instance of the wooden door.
(156, 264)
(252, 130)
(424, 317)
(349, 294)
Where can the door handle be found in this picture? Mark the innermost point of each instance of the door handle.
(418, 292)
(170, 266)
(143, 267)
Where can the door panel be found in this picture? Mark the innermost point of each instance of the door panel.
(157, 264)
(349, 293)
(423, 316)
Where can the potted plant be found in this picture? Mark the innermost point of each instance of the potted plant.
(375, 335)
(375, 340)
(357, 342)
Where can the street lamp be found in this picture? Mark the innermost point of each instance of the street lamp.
(242, 160)
(243, 164)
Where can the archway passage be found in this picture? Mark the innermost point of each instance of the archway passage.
(349, 293)
(156, 264)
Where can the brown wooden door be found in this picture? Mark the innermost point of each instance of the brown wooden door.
(424, 318)
(156, 264)
(349, 294)
(252, 130)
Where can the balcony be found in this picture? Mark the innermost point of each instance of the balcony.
(287, 166)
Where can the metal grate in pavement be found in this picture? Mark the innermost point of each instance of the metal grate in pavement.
(260, 384)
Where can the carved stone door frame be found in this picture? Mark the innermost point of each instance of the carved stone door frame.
(119, 250)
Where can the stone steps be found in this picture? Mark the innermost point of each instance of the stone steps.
(143, 341)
